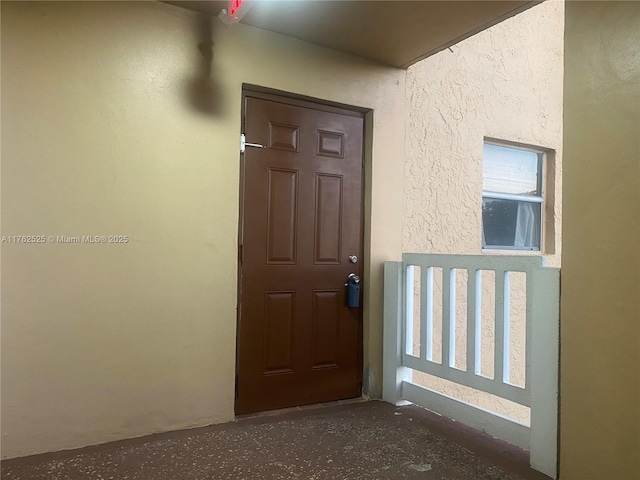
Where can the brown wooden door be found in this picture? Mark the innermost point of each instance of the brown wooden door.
(298, 342)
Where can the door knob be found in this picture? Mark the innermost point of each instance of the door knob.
(353, 258)
(352, 278)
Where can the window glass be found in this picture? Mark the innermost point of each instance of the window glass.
(511, 170)
(511, 198)
(511, 223)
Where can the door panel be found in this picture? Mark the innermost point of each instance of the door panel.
(326, 328)
(278, 332)
(328, 217)
(282, 206)
(298, 342)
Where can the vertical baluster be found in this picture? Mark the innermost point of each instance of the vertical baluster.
(452, 318)
(424, 295)
(499, 333)
(427, 308)
(506, 348)
(446, 314)
(409, 292)
(478, 333)
(471, 320)
(498, 336)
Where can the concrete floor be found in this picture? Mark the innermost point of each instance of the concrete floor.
(364, 440)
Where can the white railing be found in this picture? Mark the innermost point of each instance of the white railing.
(540, 390)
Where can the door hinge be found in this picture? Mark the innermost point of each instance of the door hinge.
(244, 144)
(241, 253)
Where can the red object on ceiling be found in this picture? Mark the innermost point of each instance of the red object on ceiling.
(234, 6)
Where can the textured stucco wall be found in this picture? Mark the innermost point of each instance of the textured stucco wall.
(503, 83)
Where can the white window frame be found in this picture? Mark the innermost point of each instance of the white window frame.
(542, 162)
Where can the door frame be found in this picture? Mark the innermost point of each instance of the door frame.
(264, 93)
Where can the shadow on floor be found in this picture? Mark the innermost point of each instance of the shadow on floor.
(366, 440)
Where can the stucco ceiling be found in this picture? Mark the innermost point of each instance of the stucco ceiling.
(397, 33)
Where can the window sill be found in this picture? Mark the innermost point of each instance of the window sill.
(511, 251)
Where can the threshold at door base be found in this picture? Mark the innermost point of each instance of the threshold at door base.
(312, 406)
